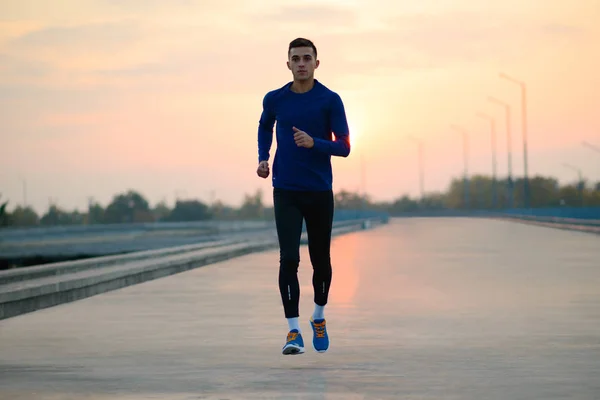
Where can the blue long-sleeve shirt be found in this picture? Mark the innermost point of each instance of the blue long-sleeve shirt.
(320, 113)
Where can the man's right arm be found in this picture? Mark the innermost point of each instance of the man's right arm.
(265, 130)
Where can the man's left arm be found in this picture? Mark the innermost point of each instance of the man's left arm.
(340, 146)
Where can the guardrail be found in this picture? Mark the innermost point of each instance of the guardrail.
(12, 234)
(584, 220)
(572, 224)
(67, 267)
(69, 242)
(575, 213)
(27, 289)
(557, 220)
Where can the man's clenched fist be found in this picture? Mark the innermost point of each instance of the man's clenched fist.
(263, 169)
(302, 138)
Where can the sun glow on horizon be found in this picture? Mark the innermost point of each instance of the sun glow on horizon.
(153, 105)
(354, 133)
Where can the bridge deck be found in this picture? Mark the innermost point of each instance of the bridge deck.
(419, 308)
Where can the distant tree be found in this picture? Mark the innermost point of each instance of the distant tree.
(189, 210)
(404, 204)
(95, 214)
(455, 195)
(24, 216)
(570, 196)
(161, 211)
(346, 200)
(128, 207)
(4, 220)
(433, 201)
(57, 216)
(221, 211)
(592, 198)
(544, 192)
(252, 206)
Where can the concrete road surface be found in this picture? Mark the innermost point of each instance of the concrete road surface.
(419, 309)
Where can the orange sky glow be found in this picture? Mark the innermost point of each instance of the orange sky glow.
(100, 96)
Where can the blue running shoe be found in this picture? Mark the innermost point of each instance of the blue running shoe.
(320, 337)
(294, 343)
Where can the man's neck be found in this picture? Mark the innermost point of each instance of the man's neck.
(302, 86)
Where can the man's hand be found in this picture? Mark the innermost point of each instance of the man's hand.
(263, 169)
(302, 138)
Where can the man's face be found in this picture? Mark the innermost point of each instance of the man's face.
(302, 63)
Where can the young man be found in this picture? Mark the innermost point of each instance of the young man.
(308, 115)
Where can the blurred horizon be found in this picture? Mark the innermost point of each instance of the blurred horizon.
(99, 96)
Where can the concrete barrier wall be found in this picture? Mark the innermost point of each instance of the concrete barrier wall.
(29, 289)
(558, 223)
(11, 234)
(574, 213)
(583, 219)
(571, 218)
(69, 242)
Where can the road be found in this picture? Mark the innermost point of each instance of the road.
(419, 309)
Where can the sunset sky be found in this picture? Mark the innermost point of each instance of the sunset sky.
(99, 96)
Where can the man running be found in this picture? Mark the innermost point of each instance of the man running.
(308, 114)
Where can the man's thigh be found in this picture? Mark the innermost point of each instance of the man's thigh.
(288, 221)
(318, 211)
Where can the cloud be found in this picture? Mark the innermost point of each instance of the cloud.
(321, 16)
(16, 69)
(160, 5)
(213, 50)
(96, 37)
(143, 69)
(144, 4)
(562, 29)
(12, 29)
(412, 41)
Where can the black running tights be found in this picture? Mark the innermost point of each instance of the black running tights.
(316, 210)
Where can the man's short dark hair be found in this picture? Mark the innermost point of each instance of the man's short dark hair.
(302, 42)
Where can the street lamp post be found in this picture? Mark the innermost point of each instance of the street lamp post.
(363, 178)
(526, 195)
(421, 167)
(492, 122)
(595, 148)
(580, 180)
(511, 193)
(465, 136)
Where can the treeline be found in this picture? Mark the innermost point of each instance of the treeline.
(483, 193)
(132, 206)
(475, 194)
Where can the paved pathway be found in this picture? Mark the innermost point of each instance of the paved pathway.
(419, 309)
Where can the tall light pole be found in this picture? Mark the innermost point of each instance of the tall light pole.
(595, 148)
(580, 179)
(526, 195)
(511, 194)
(465, 136)
(362, 174)
(363, 178)
(421, 171)
(492, 122)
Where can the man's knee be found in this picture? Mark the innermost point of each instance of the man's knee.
(320, 255)
(289, 263)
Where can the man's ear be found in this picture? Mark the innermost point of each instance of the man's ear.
(288, 65)
(317, 64)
